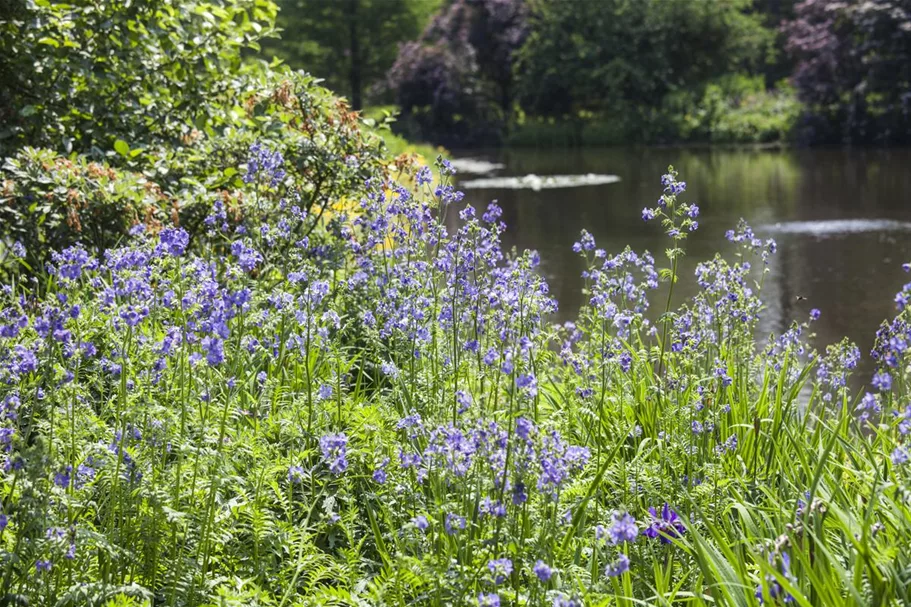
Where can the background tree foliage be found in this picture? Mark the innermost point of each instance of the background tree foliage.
(480, 60)
(853, 69)
(626, 55)
(349, 43)
(660, 70)
(457, 81)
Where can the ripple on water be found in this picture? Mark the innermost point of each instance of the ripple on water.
(538, 182)
(837, 227)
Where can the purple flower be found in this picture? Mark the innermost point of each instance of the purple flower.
(296, 474)
(586, 243)
(464, 401)
(542, 570)
(528, 383)
(648, 214)
(84, 474)
(379, 475)
(43, 566)
(62, 477)
(247, 257)
(500, 569)
(263, 160)
(489, 507)
(424, 176)
(325, 392)
(623, 529)
(618, 567)
(561, 600)
(24, 360)
(899, 456)
(626, 362)
(173, 242)
(454, 523)
(524, 428)
(389, 370)
(772, 586)
(215, 350)
(882, 381)
(421, 522)
(488, 600)
(519, 494)
(493, 212)
(815, 314)
(666, 526)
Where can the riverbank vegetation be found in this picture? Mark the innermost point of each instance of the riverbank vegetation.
(248, 357)
(527, 72)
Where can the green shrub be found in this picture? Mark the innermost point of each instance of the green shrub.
(734, 109)
(49, 202)
(75, 77)
(159, 96)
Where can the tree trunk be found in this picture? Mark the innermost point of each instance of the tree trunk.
(354, 48)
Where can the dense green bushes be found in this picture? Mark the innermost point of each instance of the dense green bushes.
(589, 73)
(167, 146)
(853, 70)
(78, 76)
(659, 71)
(737, 110)
(48, 202)
(81, 200)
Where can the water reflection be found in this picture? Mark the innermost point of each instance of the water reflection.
(838, 215)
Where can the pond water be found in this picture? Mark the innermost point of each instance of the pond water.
(841, 217)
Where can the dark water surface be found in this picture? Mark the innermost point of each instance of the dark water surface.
(841, 217)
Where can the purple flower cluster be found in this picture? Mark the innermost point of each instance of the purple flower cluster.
(334, 449)
(266, 164)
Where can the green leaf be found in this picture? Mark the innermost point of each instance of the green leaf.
(121, 147)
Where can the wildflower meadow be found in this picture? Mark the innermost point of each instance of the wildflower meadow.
(371, 404)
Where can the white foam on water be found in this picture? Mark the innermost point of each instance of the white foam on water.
(538, 182)
(837, 227)
(475, 166)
